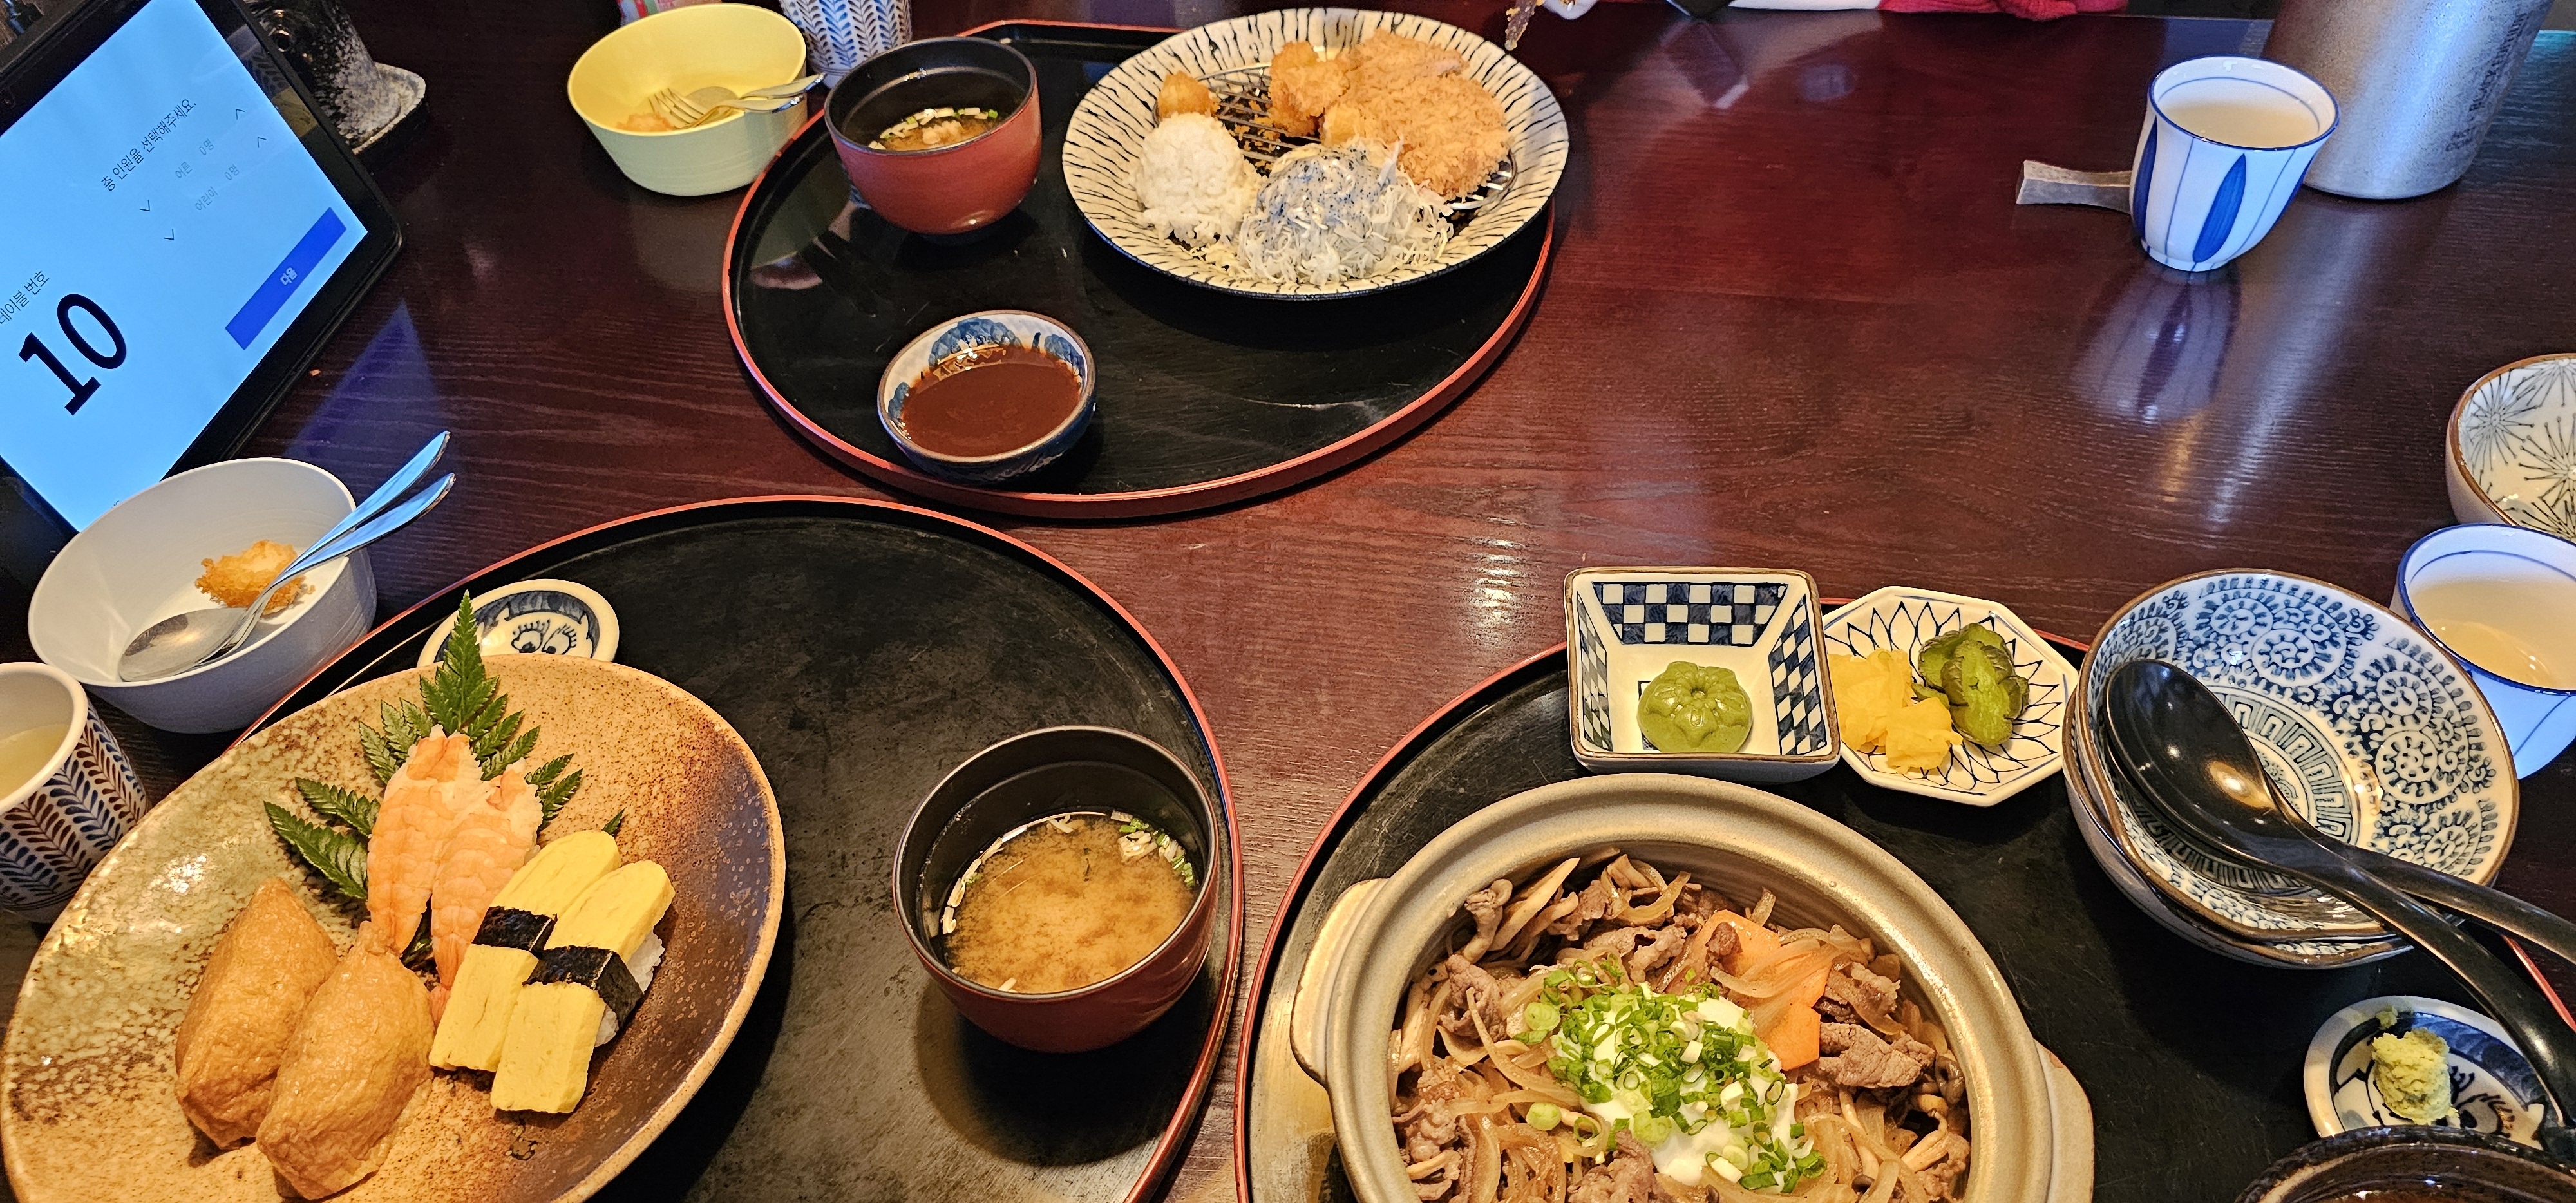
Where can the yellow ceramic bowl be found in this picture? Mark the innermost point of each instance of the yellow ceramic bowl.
(736, 45)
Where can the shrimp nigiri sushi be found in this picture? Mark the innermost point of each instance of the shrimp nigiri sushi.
(489, 844)
(435, 787)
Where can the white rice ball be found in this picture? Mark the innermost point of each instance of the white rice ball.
(1194, 181)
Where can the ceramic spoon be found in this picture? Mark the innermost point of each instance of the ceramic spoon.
(2194, 764)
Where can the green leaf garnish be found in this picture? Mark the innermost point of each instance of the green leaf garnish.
(418, 953)
(332, 802)
(340, 857)
(615, 823)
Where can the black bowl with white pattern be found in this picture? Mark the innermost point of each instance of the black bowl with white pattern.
(1107, 136)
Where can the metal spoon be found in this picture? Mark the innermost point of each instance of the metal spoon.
(182, 642)
(2192, 761)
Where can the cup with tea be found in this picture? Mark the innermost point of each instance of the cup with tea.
(2226, 143)
(67, 792)
(939, 136)
(2503, 600)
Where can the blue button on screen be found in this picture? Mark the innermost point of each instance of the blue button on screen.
(271, 296)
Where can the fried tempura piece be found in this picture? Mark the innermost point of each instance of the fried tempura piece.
(263, 969)
(1183, 94)
(1385, 59)
(1450, 129)
(235, 580)
(1303, 85)
(359, 1053)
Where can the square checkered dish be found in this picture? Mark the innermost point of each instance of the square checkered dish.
(1626, 625)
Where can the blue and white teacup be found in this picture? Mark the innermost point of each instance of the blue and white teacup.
(2226, 143)
(73, 796)
(2503, 600)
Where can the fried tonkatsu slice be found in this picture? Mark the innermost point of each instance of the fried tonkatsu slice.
(1385, 59)
(1303, 84)
(1450, 130)
(1182, 93)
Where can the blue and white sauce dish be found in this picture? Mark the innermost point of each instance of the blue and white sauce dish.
(2503, 600)
(1626, 625)
(542, 617)
(2362, 722)
(990, 328)
(2512, 446)
(2226, 143)
(1905, 619)
(2494, 1087)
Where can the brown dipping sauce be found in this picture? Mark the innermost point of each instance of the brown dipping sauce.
(988, 400)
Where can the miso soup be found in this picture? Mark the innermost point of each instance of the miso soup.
(1067, 901)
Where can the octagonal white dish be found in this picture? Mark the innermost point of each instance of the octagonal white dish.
(1905, 619)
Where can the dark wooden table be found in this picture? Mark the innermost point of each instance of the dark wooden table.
(1795, 320)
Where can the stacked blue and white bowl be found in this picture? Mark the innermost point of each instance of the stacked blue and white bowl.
(2366, 725)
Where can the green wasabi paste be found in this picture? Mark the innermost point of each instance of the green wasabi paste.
(1695, 708)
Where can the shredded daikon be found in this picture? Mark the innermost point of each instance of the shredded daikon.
(1332, 213)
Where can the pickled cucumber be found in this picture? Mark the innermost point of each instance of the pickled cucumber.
(1973, 671)
(1695, 708)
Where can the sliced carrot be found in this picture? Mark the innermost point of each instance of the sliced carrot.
(1797, 1037)
(1754, 944)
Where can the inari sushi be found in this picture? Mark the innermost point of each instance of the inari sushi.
(263, 969)
(359, 1053)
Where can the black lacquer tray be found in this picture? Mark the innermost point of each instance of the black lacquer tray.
(1205, 398)
(863, 649)
(2191, 1060)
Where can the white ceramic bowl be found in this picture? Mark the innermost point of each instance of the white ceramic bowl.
(2511, 454)
(2526, 579)
(139, 563)
(2369, 728)
(738, 46)
(1905, 619)
(1625, 625)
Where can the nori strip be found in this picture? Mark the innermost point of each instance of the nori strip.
(604, 972)
(510, 927)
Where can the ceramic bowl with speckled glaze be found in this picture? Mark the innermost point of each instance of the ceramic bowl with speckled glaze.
(85, 1074)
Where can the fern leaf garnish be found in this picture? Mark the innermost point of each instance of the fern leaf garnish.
(383, 759)
(615, 823)
(340, 857)
(418, 953)
(332, 802)
(544, 775)
(551, 798)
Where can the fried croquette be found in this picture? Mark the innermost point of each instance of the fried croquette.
(1385, 59)
(235, 580)
(1450, 130)
(1183, 94)
(1303, 84)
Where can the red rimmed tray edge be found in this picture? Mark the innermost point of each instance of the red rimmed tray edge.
(1280, 920)
(1143, 503)
(1172, 1145)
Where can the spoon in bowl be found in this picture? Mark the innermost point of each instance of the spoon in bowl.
(2187, 754)
(184, 641)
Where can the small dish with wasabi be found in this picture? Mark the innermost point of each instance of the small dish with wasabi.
(1712, 671)
(1984, 762)
(2373, 1065)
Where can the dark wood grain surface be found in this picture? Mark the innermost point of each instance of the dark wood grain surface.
(1794, 320)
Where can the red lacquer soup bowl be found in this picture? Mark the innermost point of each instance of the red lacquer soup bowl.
(1008, 787)
(949, 189)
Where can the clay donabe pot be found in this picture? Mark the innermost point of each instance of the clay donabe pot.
(948, 189)
(2030, 1122)
(1029, 777)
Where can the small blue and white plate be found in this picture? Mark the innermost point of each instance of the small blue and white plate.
(2494, 1088)
(1906, 619)
(547, 617)
(1626, 625)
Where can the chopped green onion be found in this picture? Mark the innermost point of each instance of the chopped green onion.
(1544, 1116)
(1540, 1016)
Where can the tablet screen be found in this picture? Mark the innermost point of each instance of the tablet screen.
(166, 226)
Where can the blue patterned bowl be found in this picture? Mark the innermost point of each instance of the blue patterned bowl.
(1906, 619)
(2512, 453)
(1626, 625)
(991, 328)
(2493, 1085)
(2374, 733)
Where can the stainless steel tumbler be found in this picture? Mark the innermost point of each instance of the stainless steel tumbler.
(2418, 82)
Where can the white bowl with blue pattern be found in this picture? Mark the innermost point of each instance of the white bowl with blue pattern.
(2512, 446)
(1624, 626)
(2492, 1083)
(990, 328)
(545, 617)
(1905, 619)
(2367, 727)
